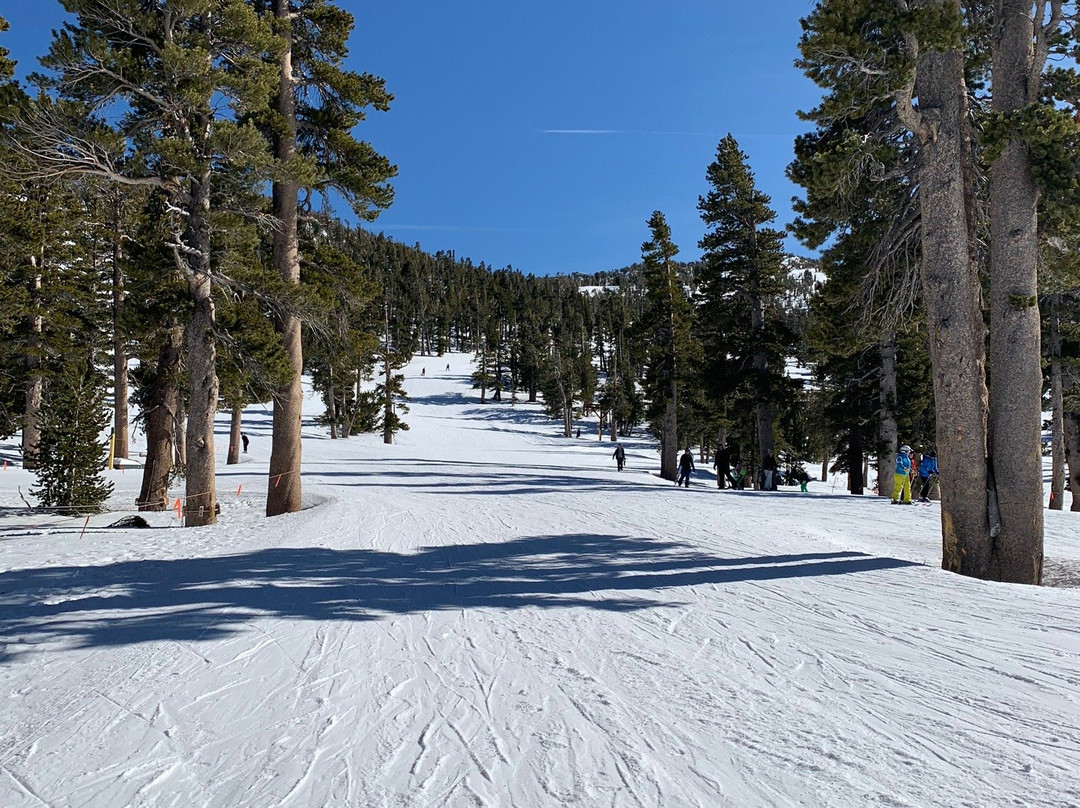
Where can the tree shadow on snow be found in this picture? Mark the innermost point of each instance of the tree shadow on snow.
(204, 598)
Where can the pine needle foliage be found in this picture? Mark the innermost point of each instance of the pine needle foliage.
(70, 455)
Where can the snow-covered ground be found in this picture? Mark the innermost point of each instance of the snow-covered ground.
(488, 614)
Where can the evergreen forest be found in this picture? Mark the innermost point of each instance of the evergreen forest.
(189, 225)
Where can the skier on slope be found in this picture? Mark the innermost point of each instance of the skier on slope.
(686, 465)
(901, 493)
(620, 455)
(928, 471)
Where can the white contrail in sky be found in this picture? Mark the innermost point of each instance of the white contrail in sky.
(582, 131)
(624, 132)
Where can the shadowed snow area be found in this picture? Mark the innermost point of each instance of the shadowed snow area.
(488, 614)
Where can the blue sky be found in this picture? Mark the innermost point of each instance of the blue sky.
(543, 135)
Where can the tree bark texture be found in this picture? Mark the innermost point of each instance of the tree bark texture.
(161, 419)
(763, 410)
(1015, 354)
(283, 485)
(331, 396)
(200, 498)
(1057, 409)
(1071, 424)
(388, 404)
(952, 294)
(888, 433)
(669, 441)
(121, 431)
(855, 464)
(35, 385)
(180, 435)
(235, 426)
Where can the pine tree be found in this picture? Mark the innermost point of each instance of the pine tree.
(1020, 97)
(317, 106)
(69, 456)
(741, 276)
(171, 67)
(872, 62)
(665, 328)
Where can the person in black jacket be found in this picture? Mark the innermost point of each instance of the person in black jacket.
(768, 472)
(686, 465)
(620, 455)
(722, 464)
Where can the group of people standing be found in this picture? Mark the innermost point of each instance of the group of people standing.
(905, 472)
(736, 475)
(726, 474)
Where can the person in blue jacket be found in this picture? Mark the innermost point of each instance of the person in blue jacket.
(901, 493)
(927, 470)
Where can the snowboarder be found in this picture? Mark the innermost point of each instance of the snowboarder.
(686, 465)
(244, 440)
(738, 476)
(619, 455)
(722, 464)
(928, 472)
(797, 474)
(901, 493)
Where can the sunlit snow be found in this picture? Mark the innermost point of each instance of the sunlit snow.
(486, 613)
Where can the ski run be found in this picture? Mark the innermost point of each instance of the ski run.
(488, 614)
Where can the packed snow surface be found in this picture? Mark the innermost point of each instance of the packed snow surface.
(486, 613)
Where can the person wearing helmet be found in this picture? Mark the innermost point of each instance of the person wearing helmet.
(928, 472)
(901, 493)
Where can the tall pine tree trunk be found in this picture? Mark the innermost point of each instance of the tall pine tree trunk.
(284, 489)
(388, 393)
(856, 482)
(35, 381)
(120, 371)
(1015, 369)
(669, 441)
(180, 435)
(763, 411)
(1057, 407)
(1071, 424)
(200, 499)
(160, 424)
(952, 295)
(235, 427)
(888, 433)
(331, 397)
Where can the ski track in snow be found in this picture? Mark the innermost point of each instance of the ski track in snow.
(487, 614)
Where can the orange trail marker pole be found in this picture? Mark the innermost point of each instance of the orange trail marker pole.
(178, 507)
(238, 489)
(84, 524)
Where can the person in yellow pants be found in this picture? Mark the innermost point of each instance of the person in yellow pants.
(901, 493)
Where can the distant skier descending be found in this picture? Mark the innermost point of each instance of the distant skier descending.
(620, 456)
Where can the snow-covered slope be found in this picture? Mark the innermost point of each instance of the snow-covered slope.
(487, 614)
